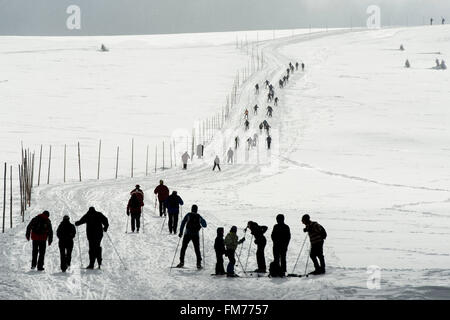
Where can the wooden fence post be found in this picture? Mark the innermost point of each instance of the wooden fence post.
(117, 161)
(156, 156)
(146, 163)
(10, 197)
(4, 200)
(132, 156)
(49, 162)
(65, 155)
(163, 156)
(40, 161)
(99, 153)
(21, 194)
(79, 161)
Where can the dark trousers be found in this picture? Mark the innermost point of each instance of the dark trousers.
(317, 253)
(184, 166)
(162, 208)
(268, 145)
(216, 165)
(173, 222)
(219, 263)
(38, 249)
(196, 241)
(232, 261)
(135, 221)
(95, 251)
(65, 252)
(260, 259)
(279, 257)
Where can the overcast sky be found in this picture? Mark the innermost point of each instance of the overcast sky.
(103, 17)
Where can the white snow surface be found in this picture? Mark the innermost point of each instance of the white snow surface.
(360, 143)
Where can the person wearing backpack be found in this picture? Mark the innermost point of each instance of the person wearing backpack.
(193, 222)
(96, 224)
(65, 233)
(231, 243)
(281, 235)
(260, 240)
(40, 231)
(317, 235)
(134, 208)
(163, 193)
(173, 203)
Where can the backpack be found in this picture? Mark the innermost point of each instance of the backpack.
(275, 270)
(41, 226)
(323, 233)
(193, 223)
(135, 203)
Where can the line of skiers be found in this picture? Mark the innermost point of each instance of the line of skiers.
(281, 237)
(442, 20)
(440, 65)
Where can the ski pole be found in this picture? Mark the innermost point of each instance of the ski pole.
(79, 249)
(240, 251)
(128, 218)
(176, 250)
(248, 254)
(239, 260)
(204, 256)
(116, 251)
(298, 257)
(162, 226)
(307, 260)
(143, 220)
(155, 205)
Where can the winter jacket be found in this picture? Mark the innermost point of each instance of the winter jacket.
(96, 223)
(185, 157)
(135, 208)
(281, 235)
(139, 193)
(162, 191)
(66, 231)
(315, 232)
(230, 153)
(192, 228)
(258, 232)
(217, 160)
(219, 245)
(40, 228)
(173, 203)
(231, 241)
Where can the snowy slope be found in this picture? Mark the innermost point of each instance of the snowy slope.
(361, 148)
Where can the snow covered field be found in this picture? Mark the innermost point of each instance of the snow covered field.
(362, 149)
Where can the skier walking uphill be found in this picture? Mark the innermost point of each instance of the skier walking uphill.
(138, 191)
(173, 203)
(303, 66)
(269, 142)
(296, 66)
(66, 232)
(247, 124)
(257, 88)
(281, 235)
(255, 109)
(163, 193)
(96, 224)
(269, 111)
(276, 101)
(219, 248)
(193, 222)
(317, 235)
(230, 154)
(216, 163)
(236, 142)
(246, 114)
(134, 208)
(40, 231)
(231, 243)
(185, 157)
(261, 126)
(260, 241)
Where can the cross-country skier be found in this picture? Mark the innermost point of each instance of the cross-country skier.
(438, 64)
(317, 235)
(402, 48)
(407, 64)
(303, 66)
(269, 141)
(247, 124)
(134, 208)
(236, 142)
(257, 88)
(296, 66)
(261, 126)
(281, 82)
(163, 193)
(276, 101)
(66, 232)
(231, 243)
(139, 192)
(185, 157)
(431, 21)
(216, 163)
(249, 142)
(269, 111)
(40, 230)
(96, 224)
(230, 154)
(266, 126)
(219, 248)
(255, 139)
(281, 235)
(255, 109)
(193, 222)
(267, 83)
(443, 20)
(246, 114)
(173, 203)
(260, 241)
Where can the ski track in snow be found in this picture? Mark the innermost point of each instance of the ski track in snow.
(148, 255)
